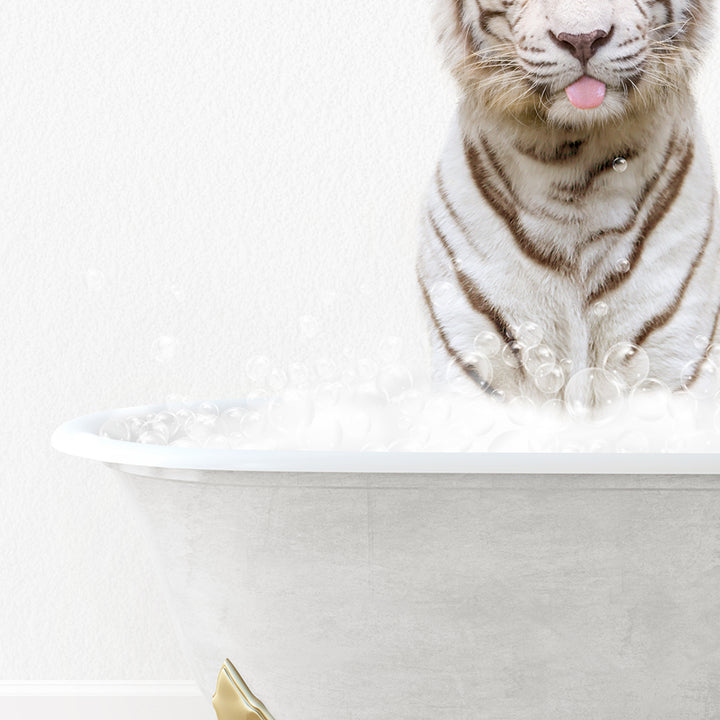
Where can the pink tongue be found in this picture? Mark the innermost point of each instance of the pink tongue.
(586, 93)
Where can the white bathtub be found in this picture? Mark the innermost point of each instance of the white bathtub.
(364, 586)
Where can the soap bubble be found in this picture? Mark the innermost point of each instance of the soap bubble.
(529, 334)
(277, 380)
(700, 378)
(713, 353)
(533, 358)
(623, 265)
(593, 395)
(94, 279)
(511, 354)
(134, 424)
(481, 364)
(600, 309)
(253, 425)
(701, 342)
(329, 394)
(442, 294)
(549, 378)
(230, 421)
(207, 408)
(620, 164)
(298, 375)
(156, 428)
(201, 427)
(309, 326)
(628, 363)
(184, 416)
(488, 343)
(649, 399)
(393, 380)
(257, 369)
(116, 429)
(164, 349)
(168, 420)
(151, 438)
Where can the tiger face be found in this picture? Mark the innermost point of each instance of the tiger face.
(573, 63)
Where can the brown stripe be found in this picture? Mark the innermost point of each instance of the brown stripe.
(448, 205)
(696, 371)
(486, 16)
(475, 297)
(659, 320)
(646, 191)
(632, 56)
(629, 41)
(656, 214)
(560, 154)
(539, 64)
(505, 180)
(669, 14)
(459, 14)
(468, 369)
(579, 189)
(641, 9)
(508, 213)
(463, 30)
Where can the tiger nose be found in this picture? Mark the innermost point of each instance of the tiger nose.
(584, 45)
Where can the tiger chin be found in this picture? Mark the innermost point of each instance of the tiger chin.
(573, 209)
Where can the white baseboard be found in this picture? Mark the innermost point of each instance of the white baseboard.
(108, 702)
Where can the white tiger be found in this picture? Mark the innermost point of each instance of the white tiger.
(531, 237)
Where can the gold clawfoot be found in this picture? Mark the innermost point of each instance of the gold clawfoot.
(233, 700)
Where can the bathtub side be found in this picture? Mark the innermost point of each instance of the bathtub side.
(357, 597)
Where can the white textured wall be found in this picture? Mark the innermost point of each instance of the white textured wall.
(219, 169)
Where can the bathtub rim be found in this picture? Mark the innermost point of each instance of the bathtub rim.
(79, 437)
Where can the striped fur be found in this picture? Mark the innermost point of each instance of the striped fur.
(528, 222)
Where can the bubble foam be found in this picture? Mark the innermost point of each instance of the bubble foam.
(396, 410)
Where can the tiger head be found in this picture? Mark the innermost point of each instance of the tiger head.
(574, 63)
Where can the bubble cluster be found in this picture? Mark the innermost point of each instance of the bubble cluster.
(627, 363)
(344, 402)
